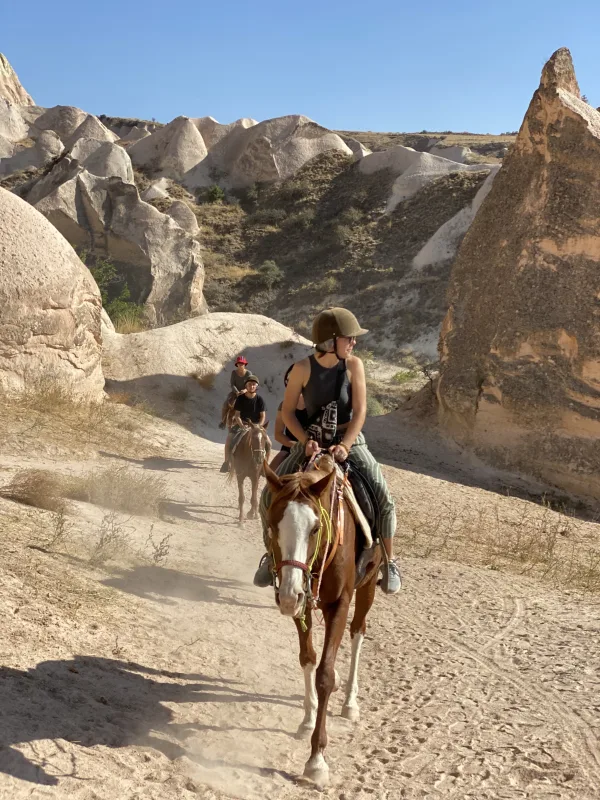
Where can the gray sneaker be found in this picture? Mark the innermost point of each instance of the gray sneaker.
(391, 581)
(263, 576)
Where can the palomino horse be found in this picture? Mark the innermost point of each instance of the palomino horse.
(247, 462)
(314, 546)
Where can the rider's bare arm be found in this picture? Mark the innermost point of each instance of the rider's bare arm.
(280, 431)
(359, 401)
(298, 378)
(237, 420)
(263, 416)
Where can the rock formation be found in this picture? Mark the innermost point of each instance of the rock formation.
(414, 169)
(170, 151)
(213, 131)
(106, 217)
(520, 344)
(10, 85)
(183, 216)
(272, 150)
(63, 120)
(49, 307)
(44, 150)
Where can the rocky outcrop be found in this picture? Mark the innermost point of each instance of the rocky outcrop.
(183, 216)
(10, 85)
(49, 308)
(91, 128)
(170, 151)
(520, 344)
(414, 169)
(102, 158)
(456, 153)
(63, 120)
(106, 217)
(44, 150)
(213, 131)
(197, 356)
(272, 150)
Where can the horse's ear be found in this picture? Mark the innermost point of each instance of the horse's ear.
(317, 488)
(273, 479)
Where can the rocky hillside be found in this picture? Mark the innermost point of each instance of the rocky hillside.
(278, 217)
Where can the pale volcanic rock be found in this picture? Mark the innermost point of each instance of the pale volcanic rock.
(106, 217)
(183, 216)
(63, 120)
(49, 307)
(269, 151)
(10, 85)
(520, 344)
(414, 169)
(170, 151)
(45, 149)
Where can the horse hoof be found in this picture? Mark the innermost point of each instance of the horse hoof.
(317, 771)
(304, 731)
(351, 713)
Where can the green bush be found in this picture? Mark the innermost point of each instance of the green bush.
(269, 274)
(214, 194)
(374, 407)
(405, 376)
(114, 290)
(267, 216)
(301, 220)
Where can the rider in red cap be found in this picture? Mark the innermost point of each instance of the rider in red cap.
(238, 387)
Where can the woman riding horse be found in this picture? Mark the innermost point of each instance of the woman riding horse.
(332, 383)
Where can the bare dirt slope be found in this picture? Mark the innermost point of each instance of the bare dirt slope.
(137, 680)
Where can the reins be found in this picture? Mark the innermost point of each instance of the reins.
(333, 536)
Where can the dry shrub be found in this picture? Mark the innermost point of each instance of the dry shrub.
(113, 539)
(530, 540)
(37, 488)
(130, 321)
(123, 398)
(118, 488)
(206, 381)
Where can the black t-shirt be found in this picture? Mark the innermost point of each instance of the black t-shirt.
(250, 408)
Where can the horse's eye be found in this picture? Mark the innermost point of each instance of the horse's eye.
(315, 530)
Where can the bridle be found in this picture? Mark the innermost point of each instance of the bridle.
(258, 453)
(330, 531)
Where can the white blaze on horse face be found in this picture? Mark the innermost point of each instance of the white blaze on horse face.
(294, 534)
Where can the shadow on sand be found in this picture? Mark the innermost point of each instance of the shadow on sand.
(168, 585)
(98, 701)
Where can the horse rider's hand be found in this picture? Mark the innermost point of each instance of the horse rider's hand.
(311, 448)
(339, 452)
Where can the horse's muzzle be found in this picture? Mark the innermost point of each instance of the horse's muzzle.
(291, 605)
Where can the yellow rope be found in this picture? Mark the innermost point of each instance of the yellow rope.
(325, 522)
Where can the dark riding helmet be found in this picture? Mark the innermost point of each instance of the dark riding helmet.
(251, 378)
(334, 322)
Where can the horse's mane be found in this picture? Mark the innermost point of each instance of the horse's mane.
(296, 483)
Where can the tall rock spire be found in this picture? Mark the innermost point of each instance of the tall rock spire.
(520, 344)
(10, 85)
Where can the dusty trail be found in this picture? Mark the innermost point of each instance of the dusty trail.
(183, 680)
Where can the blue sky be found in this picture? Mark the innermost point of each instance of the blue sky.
(349, 64)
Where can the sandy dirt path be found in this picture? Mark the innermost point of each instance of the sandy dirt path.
(179, 681)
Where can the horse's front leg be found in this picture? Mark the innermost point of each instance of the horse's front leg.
(335, 615)
(240, 481)
(308, 662)
(253, 513)
(364, 600)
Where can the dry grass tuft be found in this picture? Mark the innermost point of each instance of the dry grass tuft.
(527, 539)
(119, 488)
(206, 381)
(36, 488)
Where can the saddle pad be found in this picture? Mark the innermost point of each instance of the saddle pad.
(356, 510)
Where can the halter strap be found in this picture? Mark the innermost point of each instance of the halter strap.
(291, 563)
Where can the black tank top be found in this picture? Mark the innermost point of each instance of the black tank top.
(320, 390)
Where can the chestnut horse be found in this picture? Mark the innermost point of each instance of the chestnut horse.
(247, 462)
(313, 542)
